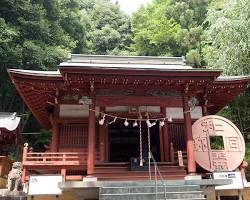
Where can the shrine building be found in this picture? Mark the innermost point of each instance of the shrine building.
(106, 113)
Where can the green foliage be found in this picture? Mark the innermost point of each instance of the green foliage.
(39, 34)
(216, 142)
(36, 35)
(168, 27)
(109, 28)
(228, 37)
(227, 48)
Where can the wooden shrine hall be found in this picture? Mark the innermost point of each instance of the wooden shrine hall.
(106, 111)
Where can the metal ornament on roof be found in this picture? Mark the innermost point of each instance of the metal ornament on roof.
(192, 102)
(85, 100)
(230, 154)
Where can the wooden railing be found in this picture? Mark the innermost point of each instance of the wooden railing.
(58, 162)
(64, 158)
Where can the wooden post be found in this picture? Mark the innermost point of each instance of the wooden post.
(172, 152)
(91, 140)
(54, 139)
(162, 152)
(204, 104)
(165, 135)
(106, 144)
(102, 142)
(63, 169)
(204, 110)
(189, 137)
(25, 151)
(63, 173)
(1, 169)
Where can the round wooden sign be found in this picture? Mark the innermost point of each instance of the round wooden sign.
(218, 144)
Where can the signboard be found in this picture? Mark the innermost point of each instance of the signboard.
(39, 185)
(236, 178)
(180, 158)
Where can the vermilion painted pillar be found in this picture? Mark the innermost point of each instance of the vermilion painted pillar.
(204, 106)
(54, 138)
(162, 152)
(24, 172)
(204, 110)
(106, 144)
(166, 143)
(189, 137)
(91, 141)
(102, 142)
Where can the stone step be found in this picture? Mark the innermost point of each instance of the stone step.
(13, 198)
(121, 172)
(137, 173)
(140, 189)
(153, 195)
(186, 199)
(167, 183)
(135, 177)
(123, 169)
(146, 190)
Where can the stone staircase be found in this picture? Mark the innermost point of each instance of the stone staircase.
(121, 172)
(148, 191)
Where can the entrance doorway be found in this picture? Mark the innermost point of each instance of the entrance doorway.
(124, 142)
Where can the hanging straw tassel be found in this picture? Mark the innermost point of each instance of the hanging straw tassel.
(141, 161)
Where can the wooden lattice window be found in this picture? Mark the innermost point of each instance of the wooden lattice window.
(73, 135)
(177, 135)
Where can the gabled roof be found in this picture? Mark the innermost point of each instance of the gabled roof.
(111, 59)
(24, 72)
(39, 89)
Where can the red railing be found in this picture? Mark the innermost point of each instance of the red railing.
(58, 162)
(55, 159)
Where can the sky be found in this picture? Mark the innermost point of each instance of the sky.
(130, 6)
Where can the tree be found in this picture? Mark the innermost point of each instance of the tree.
(228, 37)
(39, 34)
(109, 28)
(36, 35)
(227, 48)
(33, 35)
(168, 27)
